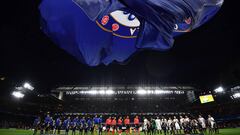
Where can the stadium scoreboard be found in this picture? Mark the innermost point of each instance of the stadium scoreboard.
(206, 98)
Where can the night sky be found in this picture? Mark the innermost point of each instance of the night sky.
(205, 58)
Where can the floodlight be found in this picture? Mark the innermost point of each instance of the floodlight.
(159, 92)
(236, 95)
(92, 92)
(149, 92)
(101, 92)
(219, 90)
(18, 94)
(19, 88)
(28, 86)
(141, 92)
(109, 92)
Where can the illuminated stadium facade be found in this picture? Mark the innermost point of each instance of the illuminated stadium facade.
(122, 90)
(141, 99)
(124, 99)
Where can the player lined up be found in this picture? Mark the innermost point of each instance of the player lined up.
(177, 126)
(114, 125)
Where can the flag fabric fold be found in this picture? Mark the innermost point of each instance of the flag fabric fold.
(103, 31)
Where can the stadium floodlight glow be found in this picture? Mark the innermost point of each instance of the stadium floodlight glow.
(141, 92)
(18, 94)
(109, 92)
(102, 92)
(159, 92)
(28, 86)
(19, 88)
(150, 92)
(236, 95)
(92, 92)
(219, 90)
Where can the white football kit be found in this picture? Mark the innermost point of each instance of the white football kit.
(177, 126)
(169, 122)
(211, 121)
(158, 124)
(202, 122)
(181, 122)
(145, 122)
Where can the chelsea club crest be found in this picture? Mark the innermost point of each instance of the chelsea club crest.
(121, 23)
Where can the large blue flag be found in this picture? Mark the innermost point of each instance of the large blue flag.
(103, 31)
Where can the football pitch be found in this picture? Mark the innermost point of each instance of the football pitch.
(232, 131)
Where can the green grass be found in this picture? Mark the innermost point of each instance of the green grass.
(235, 131)
(15, 132)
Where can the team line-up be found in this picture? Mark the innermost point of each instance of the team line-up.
(150, 125)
